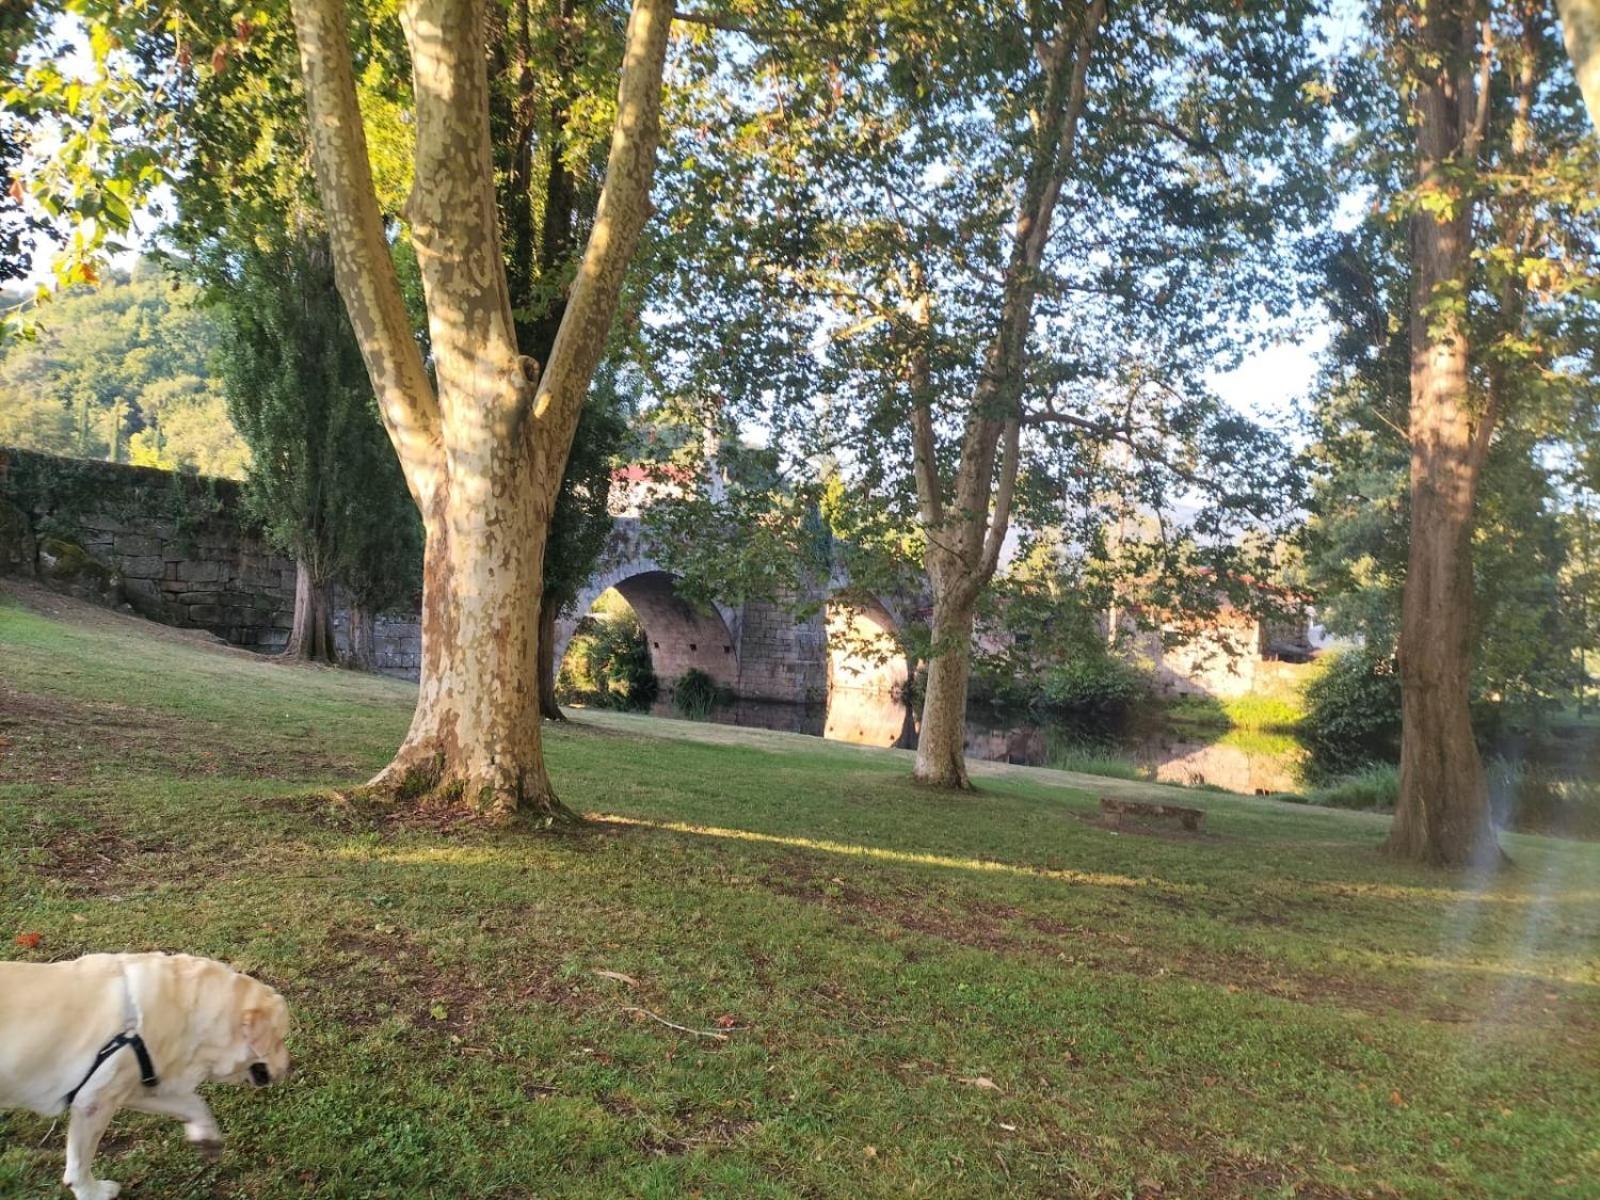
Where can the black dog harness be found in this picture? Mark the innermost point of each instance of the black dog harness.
(128, 1037)
(147, 1069)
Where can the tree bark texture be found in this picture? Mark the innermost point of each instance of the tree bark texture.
(1442, 815)
(311, 635)
(966, 528)
(1580, 29)
(363, 650)
(483, 450)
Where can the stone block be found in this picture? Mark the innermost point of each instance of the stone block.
(199, 571)
(136, 544)
(205, 614)
(200, 597)
(143, 567)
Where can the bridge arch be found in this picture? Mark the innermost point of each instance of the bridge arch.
(868, 671)
(681, 636)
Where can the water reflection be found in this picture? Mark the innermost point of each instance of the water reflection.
(871, 717)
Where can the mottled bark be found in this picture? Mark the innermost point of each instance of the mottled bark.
(942, 740)
(967, 527)
(311, 634)
(483, 454)
(1580, 28)
(549, 610)
(1442, 815)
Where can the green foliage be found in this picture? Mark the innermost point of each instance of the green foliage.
(1530, 304)
(122, 372)
(325, 484)
(607, 664)
(1353, 712)
(1372, 788)
(696, 695)
(836, 254)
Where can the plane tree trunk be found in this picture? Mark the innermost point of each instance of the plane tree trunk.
(1442, 815)
(482, 449)
(966, 522)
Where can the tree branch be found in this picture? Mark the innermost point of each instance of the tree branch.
(619, 217)
(363, 268)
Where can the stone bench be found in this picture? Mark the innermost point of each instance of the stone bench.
(1115, 810)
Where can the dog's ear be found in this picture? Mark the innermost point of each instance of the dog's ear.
(259, 1033)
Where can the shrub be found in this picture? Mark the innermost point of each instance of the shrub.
(1352, 714)
(696, 695)
(1539, 799)
(1372, 788)
(608, 665)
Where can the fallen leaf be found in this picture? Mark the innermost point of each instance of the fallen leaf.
(870, 1152)
(29, 940)
(438, 1011)
(617, 975)
(726, 1021)
(1396, 1099)
(980, 1081)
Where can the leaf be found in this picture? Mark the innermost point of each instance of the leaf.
(29, 941)
(726, 1021)
(980, 1081)
(617, 975)
(438, 1011)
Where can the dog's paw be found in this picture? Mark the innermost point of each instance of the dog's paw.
(209, 1148)
(100, 1189)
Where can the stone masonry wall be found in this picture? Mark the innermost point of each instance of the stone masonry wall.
(178, 548)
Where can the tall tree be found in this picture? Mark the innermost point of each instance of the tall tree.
(484, 444)
(1004, 244)
(1493, 254)
(321, 482)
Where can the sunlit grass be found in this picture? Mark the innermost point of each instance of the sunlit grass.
(1269, 1009)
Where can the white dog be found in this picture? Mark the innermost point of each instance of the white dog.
(139, 1031)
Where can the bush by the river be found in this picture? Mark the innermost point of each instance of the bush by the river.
(696, 695)
(1352, 713)
(607, 664)
(1092, 685)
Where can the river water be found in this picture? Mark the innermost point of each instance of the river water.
(1251, 764)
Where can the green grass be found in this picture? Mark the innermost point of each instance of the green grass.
(1253, 713)
(1270, 1009)
(1371, 789)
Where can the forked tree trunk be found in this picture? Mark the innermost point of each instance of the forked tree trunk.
(483, 453)
(942, 740)
(363, 651)
(1442, 815)
(311, 635)
(549, 611)
(966, 524)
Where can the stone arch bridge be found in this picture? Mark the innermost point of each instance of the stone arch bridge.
(758, 649)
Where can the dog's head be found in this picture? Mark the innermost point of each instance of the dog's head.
(263, 1033)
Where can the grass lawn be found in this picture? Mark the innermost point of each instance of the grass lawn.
(913, 994)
